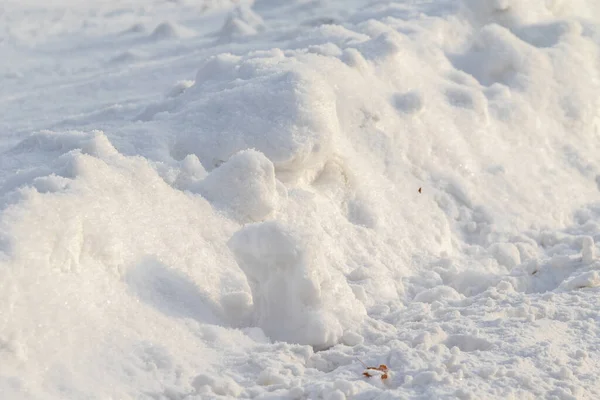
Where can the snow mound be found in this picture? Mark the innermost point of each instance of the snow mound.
(245, 185)
(498, 56)
(101, 238)
(264, 101)
(136, 28)
(273, 196)
(241, 22)
(168, 31)
(296, 297)
(439, 293)
(127, 57)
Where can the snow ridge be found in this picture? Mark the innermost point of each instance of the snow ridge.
(236, 199)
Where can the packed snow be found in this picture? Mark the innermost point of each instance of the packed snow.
(210, 199)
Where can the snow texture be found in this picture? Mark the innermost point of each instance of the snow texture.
(205, 199)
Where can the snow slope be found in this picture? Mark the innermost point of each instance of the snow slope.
(224, 199)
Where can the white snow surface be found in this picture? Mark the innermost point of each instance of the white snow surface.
(215, 199)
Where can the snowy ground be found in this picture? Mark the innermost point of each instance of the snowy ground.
(216, 199)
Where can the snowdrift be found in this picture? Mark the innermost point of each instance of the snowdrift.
(414, 184)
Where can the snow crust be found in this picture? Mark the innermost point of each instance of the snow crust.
(231, 199)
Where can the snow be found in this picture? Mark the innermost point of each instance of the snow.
(290, 281)
(231, 199)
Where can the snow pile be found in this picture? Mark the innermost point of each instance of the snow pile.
(296, 297)
(242, 22)
(248, 197)
(89, 248)
(264, 102)
(246, 185)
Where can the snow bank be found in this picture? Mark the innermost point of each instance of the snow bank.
(280, 188)
(98, 241)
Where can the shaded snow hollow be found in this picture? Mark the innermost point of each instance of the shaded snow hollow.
(215, 199)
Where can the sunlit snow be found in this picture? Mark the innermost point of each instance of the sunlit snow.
(219, 199)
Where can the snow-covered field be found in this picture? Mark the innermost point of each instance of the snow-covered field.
(217, 199)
